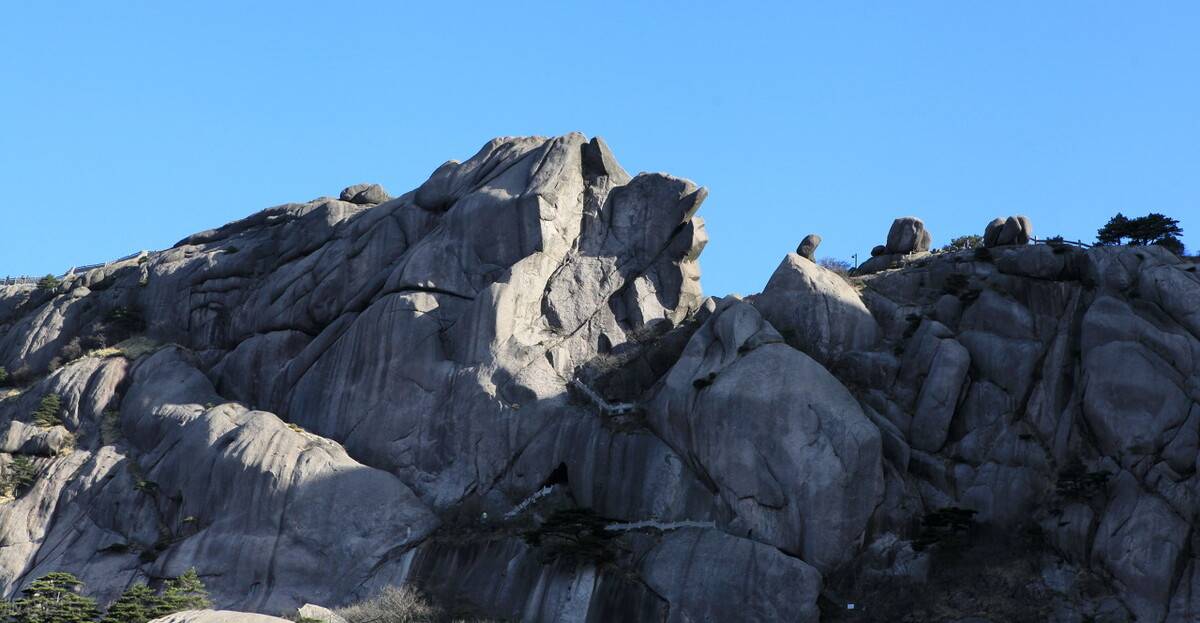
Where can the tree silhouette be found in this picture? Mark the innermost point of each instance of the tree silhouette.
(1154, 228)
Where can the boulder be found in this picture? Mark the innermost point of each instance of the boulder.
(1014, 230)
(816, 310)
(939, 396)
(808, 246)
(763, 420)
(364, 194)
(991, 233)
(318, 613)
(878, 250)
(907, 235)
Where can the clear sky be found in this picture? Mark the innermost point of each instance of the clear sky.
(129, 125)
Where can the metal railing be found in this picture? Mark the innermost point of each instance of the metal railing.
(1077, 243)
(605, 407)
(12, 280)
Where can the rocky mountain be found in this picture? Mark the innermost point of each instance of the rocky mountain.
(507, 388)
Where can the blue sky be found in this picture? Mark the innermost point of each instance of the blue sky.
(128, 125)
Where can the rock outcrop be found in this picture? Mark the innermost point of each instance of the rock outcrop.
(907, 241)
(1013, 230)
(507, 388)
(907, 235)
(808, 247)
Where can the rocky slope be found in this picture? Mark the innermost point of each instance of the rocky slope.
(507, 388)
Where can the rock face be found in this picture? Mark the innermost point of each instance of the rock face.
(816, 310)
(907, 241)
(450, 387)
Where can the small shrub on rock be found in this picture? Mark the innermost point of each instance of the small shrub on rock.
(49, 282)
(577, 534)
(946, 527)
(963, 243)
(394, 604)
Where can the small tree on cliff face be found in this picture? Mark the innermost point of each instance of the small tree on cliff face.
(49, 282)
(1154, 228)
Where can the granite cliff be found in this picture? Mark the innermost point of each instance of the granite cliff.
(507, 388)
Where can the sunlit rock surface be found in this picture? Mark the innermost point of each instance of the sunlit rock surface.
(326, 398)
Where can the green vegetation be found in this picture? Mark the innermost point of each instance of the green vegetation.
(138, 604)
(56, 598)
(47, 413)
(186, 592)
(3, 376)
(49, 282)
(946, 527)
(1154, 228)
(577, 534)
(963, 243)
(19, 474)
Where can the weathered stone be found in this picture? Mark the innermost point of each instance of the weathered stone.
(364, 194)
(991, 233)
(808, 247)
(907, 235)
(746, 586)
(939, 396)
(816, 310)
(314, 612)
(1014, 230)
(736, 365)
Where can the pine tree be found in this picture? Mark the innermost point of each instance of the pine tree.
(54, 598)
(49, 282)
(1154, 228)
(186, 592)
(138, 604)
(46, 415)
(18, 475)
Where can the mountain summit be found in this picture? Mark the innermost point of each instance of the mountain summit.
(507, 389)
